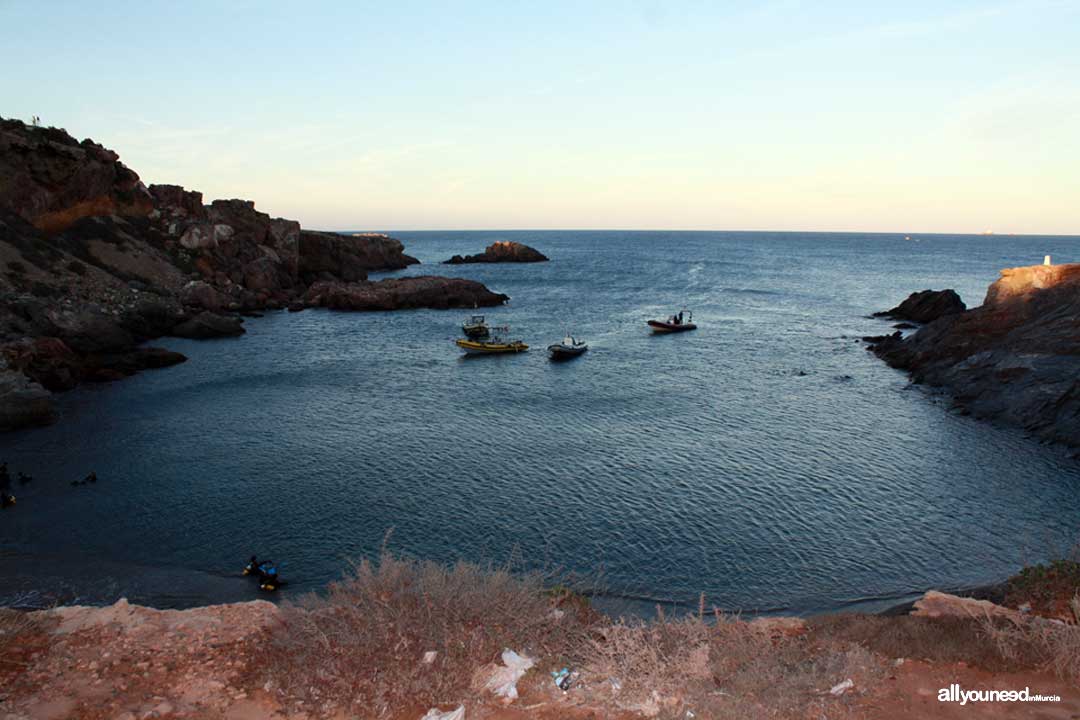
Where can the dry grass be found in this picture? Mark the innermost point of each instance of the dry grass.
(1055, 643)
(938, 640)
(361, 644)
(720, 669)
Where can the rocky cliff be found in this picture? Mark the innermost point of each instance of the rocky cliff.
(93, 263)
(1016, 358)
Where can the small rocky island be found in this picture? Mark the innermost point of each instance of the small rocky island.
(93, 263)
(501, 251)
(1016, 358)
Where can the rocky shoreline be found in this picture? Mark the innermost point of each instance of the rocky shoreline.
(93, 263)
(1015, 358)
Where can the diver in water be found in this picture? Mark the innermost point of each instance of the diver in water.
(268, 576)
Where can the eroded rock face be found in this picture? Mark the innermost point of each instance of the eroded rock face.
(350, 258)
(926, 306)
(52, 180)
(500, 252)
(402, 293)
(1016, 358)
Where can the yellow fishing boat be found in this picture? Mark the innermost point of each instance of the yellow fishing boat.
(492, 345)
(485, 347)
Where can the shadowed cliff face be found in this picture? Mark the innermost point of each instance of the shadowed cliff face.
(92, 262)
(1016, 358)
(52, 180)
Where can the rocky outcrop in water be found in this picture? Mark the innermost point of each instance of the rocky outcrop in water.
(93, 263)
(926, 306)
(501, 252)
(1016, 358)
(397, 293)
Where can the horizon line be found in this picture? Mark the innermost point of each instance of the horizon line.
(908, 233)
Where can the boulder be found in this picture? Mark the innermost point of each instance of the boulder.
(936, 604)
(92, 331)
(500, 252)
(47, 361)
(926, 306)
(209, 325)
(200, 294)
(174, 200)
(261, 274)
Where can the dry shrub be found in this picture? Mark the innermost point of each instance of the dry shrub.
(14, 624)
(1055, 644)
(726, 668)
(644, 663)
(22, 634)
(360, 645)
(764, 675)
(937, 639)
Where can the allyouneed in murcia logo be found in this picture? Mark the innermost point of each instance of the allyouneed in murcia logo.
(954, 693)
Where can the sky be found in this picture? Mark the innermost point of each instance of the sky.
(847, 116)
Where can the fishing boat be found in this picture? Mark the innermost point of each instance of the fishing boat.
(673, 324)
(568, 348)
(493, 345)
(475, 327)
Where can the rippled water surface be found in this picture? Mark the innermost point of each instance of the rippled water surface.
(767, 459)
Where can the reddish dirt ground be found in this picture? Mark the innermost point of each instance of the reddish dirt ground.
(126, 662)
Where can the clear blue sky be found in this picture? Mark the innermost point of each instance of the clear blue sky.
(922, 116)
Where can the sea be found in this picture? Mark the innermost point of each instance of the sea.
(765, 460)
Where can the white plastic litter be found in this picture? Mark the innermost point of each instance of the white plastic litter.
(842, 687)
(436, 714)
(429, 657)
(503, 682)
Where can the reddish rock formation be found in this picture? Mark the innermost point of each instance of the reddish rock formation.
(926, 306)
(399, 293)
(500, 252)
(52, 180)
(1016, 358)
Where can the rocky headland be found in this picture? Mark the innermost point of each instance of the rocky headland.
(1015, 358)
(501, 251)
(93, 263)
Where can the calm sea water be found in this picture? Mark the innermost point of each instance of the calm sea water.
(766, 460)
